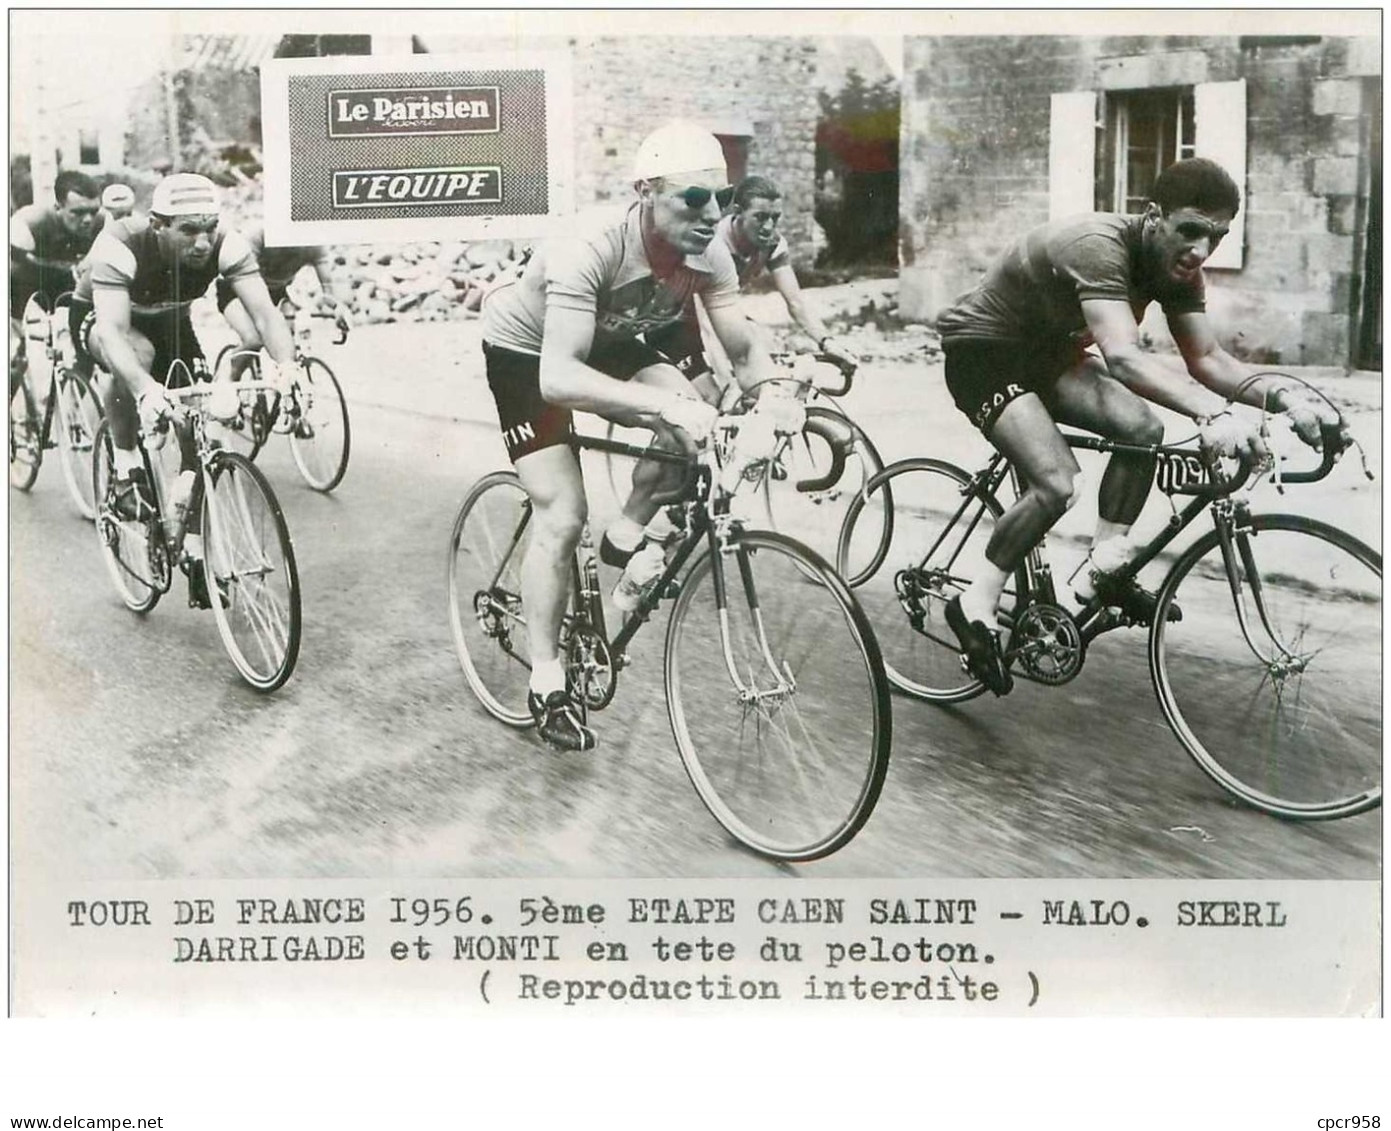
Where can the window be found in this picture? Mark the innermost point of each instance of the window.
(1146, 132)
(88, 148)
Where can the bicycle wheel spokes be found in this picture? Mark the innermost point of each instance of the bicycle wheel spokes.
(251, 574)
(490, 539)
(132, 550)
(911, 547)
(1276, 693)
(777, 703)
(79, 414)
(808, 489)
(26, 440)
(319, 432)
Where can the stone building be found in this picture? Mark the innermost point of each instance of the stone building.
(1002, 133)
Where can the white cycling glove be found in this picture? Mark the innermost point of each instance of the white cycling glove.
(694, 417)
(833, 347)
(155, 408)
(281, 375)
(1228, 436)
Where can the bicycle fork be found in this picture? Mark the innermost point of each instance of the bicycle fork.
(1243, 577)
(784, 685)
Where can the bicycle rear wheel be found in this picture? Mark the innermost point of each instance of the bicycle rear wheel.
(777, 698)
(251, 573)
(79, 414)
(1272, 679)
(491, 533)
(26, 434)
(913, 542)
(133, 551)
(320, 437)
(809, 487)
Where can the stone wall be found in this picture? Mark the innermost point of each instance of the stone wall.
(976, 137)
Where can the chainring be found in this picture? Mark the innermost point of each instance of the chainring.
(589, 668)
(1047, 644)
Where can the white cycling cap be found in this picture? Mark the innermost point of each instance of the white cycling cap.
(118, 196)
(185, 194)
(677, 147)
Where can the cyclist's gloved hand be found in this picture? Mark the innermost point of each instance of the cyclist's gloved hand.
(835, 348)
(1308, 414)
(155, 409)
(1227, 435)
(780, 403)
(692, 416)
(281, 375)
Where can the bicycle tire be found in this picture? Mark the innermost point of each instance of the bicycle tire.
(322, 412)
(248, 434)
(1295, 732)
(815, 517)
(79, 413)
(791, 756)
(490, 536)
(133, 551)
(250, 571)
(896, 534)
(26, 436)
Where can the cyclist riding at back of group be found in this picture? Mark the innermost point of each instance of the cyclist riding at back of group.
(130, 313)
(1051, 335)
(48, 242)
(565, 336)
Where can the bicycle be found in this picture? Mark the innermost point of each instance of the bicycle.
(1271, 678)
(774, 683)
(249, 559)
(72, 401)
(812, 474)
(313, 414)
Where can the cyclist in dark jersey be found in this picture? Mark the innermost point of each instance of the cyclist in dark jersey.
(47, 244)
(565, 336)
(1051, 335)
(130, 313)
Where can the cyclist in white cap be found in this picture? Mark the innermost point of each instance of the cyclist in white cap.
(130, 314)
(565, 336)
(117, 201)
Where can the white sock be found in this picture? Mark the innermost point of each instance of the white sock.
(982, 597)
(1104, 557)
(624, 534)
(125, 460)
(547, 676)
(193, 546)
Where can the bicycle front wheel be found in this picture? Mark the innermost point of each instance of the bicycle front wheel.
(777, 698)
(26, 434)
(491, 534)
(912, 542)
(819, 471)
(133, 549)
(320, 437)
(1272, 679)
(251, 573)
(79, 415)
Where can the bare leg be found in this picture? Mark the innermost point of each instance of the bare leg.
(552, 478)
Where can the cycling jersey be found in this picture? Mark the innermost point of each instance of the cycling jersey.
(604, 271)
(56, 248)
(1034, 292)
(127, 257)
(279, 266)
(751, 265)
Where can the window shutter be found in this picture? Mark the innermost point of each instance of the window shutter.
(1072, 153)
(1219, 119)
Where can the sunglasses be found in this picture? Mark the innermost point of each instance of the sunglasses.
(697, 197)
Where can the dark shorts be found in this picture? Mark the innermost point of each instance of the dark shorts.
(226, 294)
(528, 422)
(49, 283)
(172, 337)
(681, 344)
(984, 376)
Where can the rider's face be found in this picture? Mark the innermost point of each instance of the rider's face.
(685, 226)
(758, 222)
(78, 214)
(189, 239)
(1181, 242)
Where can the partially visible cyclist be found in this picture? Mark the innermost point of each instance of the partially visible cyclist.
(131, 314)
(1051, 335)
(750, 232)
(565, 336)
(47, 244)
(279, 266)
(117, 201)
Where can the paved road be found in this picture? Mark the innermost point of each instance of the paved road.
(137, 753)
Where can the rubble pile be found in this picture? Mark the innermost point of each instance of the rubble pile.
(424, 282)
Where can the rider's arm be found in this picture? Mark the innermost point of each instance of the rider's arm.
(1209, 363)
(785, 280)
(330, 284)
(1113, 328)
(21, 239)
(568, 380)
(111, 331)
(270, 323)
(752, 365)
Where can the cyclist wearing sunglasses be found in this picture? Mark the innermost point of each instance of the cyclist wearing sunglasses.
(750, 231)
(566, 335)
(1051, 335)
